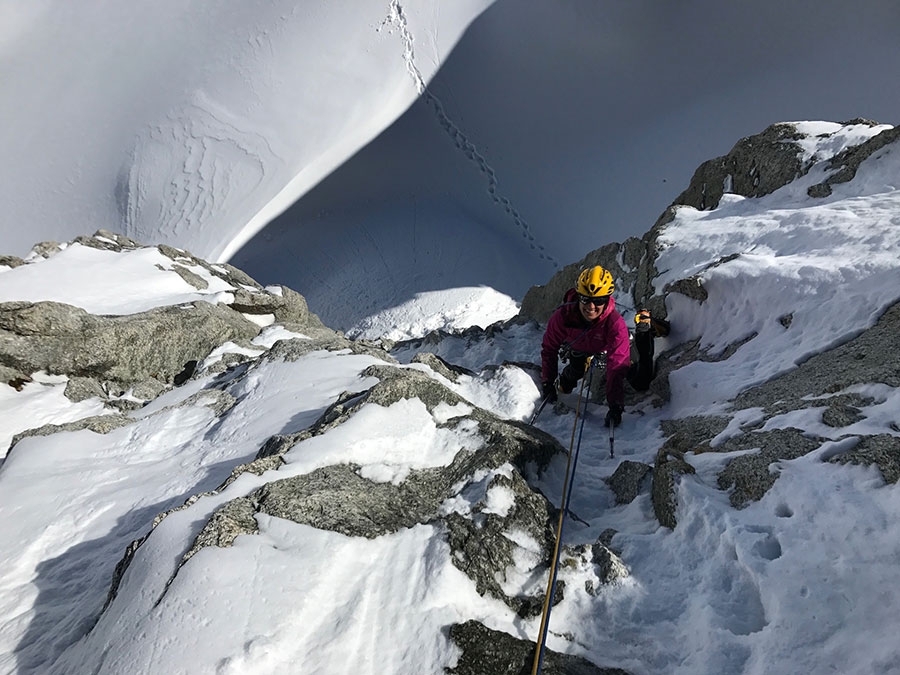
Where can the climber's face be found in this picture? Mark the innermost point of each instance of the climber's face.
(591, 308)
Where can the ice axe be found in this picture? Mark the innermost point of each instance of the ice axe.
(612, 440)
(543, 403)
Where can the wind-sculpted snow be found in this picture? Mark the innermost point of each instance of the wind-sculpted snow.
(167, 196)
(191, 124)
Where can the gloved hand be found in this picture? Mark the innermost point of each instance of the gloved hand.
(614, 416)
(548, 389)
(568, 378)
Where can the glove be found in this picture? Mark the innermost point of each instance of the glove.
(548, 389)
(614, 416)
(568, 378)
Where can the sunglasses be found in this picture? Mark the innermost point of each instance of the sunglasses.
(597, 302)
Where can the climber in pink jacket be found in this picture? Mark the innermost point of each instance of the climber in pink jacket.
(587, 323)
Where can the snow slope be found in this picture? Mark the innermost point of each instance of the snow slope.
(804, 580)
(831, 264)
(194, 123)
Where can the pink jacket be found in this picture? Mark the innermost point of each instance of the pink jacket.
(607, 334)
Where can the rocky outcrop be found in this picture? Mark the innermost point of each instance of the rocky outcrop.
(820, 382)
(668, 469)
(119, 350)
(341, 498)
(880, 450)
(99, 424)
(607, 564)
(627, 480)
(872, 356)
(440, 366)
(748, 476)
(338, 498)
(492, 652)
(286, 306)
(757, 165)
(11, 261)
(145, 352)
(840, 414)
(845, 164)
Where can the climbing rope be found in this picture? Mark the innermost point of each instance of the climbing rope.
(572, 462)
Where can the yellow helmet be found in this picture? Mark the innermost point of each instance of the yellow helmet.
(595, 282)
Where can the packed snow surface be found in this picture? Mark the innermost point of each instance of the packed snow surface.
(131, 281)
(454, 309)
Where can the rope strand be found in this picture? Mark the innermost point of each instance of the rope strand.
(566, 497)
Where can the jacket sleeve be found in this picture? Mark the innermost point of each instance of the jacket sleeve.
(553, 338)
(618, 360)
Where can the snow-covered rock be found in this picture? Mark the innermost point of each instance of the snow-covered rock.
(318, 503)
